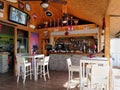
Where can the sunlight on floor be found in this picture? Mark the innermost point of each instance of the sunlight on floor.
(74, 83)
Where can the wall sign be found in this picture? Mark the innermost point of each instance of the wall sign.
(87, 31)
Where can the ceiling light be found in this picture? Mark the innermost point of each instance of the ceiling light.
(12, 1)
(44, 4)
(65, 18)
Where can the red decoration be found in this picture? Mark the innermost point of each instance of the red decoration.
(34, 16)
(66, 33)
(70, 28)
(0, 27)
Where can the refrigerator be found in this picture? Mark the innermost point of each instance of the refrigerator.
(115, 52)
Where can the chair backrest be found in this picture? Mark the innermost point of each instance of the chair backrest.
(99, 75)
(46, 60)
(69, 63)
(20, 62)
(20, 59)
(39, 57)
(22, 54)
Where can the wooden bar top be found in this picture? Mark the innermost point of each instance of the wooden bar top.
(84, 54)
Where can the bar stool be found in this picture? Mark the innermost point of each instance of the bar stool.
(41, 67)
(71, 69)
(23, 68)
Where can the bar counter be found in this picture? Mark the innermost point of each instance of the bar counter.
(58, 60)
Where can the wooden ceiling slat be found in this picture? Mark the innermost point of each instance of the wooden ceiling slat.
(90, 10)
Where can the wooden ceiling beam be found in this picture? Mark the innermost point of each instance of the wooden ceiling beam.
(64, 8)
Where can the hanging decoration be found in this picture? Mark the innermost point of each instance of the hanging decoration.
(104, 25)
(34, 16)
(70, 27)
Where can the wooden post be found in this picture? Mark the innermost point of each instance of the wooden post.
(107, 36)
(99, 39)
(107, 44)
(15, 50)
(29, 42)
(64, 8)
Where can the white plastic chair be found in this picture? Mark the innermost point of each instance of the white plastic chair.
(86, 70)
(99, 77)
(115, 79)
(41, 67)
(23, 68)
(71, 69)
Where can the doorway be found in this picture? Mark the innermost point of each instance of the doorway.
(6, 48)
(22, 41)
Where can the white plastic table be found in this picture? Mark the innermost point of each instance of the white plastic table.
(34, 63)
(89, 61)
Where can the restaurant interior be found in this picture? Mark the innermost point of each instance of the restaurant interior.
(65, 41)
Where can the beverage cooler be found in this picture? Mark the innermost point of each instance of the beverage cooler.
(3, 62)
(115, 52)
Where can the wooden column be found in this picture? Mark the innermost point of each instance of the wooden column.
(64, 8)
(107, 42)
(99, 37)
(107, 37)
(15, 50)
(29, 41)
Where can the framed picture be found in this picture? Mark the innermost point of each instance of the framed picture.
(21, 5)
(27, 6)
(1, 5)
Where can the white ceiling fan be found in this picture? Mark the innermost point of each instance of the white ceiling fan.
(12, 1)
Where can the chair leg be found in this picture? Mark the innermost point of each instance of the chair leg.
(44, 74)
(30, 73)
(24, 79)
(18, 76)
(41, 71)
(24, 75)
(71, 75)
(48, 72)
(69, 78)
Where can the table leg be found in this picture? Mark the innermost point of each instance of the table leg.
(35, 71)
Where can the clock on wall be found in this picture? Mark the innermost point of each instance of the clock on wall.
(27, 6)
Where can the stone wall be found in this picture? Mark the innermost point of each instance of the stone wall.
(58, 62)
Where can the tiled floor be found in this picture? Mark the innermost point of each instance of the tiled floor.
(58, 81)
